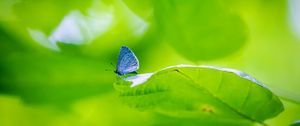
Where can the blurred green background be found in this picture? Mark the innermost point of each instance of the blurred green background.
(55, 54)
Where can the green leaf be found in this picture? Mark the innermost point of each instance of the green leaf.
(203, 92)
(296, 123)
(200, 29)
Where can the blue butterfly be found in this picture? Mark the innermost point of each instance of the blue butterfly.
(127, 62)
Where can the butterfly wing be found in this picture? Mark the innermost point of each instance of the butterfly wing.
(127, 61)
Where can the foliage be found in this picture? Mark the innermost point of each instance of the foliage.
(213, 95)
(55, 55)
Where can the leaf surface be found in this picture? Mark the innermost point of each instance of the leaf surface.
(207, 93)
(200, 29)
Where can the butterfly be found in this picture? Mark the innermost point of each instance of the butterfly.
(127, 62)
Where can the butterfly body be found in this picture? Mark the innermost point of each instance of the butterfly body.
(127, 62)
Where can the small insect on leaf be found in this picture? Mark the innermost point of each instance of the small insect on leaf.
(127, 62)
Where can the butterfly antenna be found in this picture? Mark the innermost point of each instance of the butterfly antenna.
(111, 67)
(112, 64)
